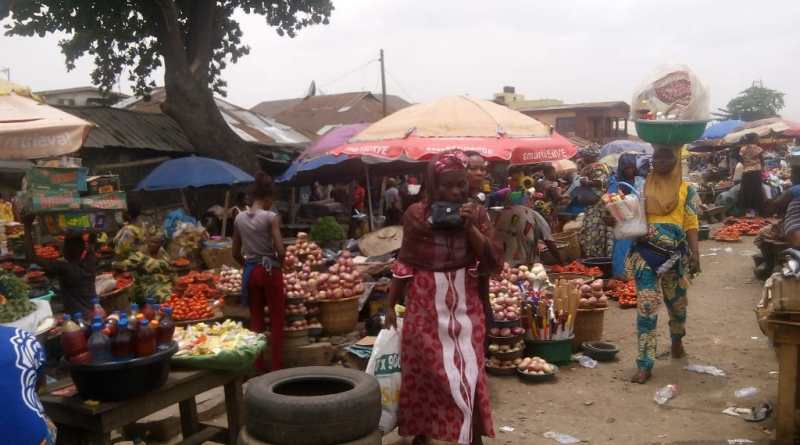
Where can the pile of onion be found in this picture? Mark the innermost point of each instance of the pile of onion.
(341, 280)
(506, 301)
(504, 364)
(303, 253)
(592, 295)
(298, 325)
(535, 365)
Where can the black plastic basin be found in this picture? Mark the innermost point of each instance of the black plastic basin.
(115, 381)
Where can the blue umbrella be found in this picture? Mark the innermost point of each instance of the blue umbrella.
(300, 166)
(626, 146)
(192, 171)
(722, 128)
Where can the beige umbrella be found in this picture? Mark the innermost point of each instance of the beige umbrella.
(32, 130)
(564, 166)
(455, 117)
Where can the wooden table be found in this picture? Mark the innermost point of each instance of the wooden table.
(79, 423)
(786, 336)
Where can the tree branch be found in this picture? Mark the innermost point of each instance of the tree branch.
(201, 36)
(170, 38)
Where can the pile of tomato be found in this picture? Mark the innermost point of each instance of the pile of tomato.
(577, 267)
(727, 234)
(624, 292)
(747, 226)
(189, 307)
(47, 252)
(123, 280)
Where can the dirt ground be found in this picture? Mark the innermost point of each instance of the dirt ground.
(600, 406)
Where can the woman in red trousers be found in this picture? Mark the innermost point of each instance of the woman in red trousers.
(258, 246)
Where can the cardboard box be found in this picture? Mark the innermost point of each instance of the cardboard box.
(57, 179)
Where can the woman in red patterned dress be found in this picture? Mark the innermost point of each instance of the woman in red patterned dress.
(443, 395)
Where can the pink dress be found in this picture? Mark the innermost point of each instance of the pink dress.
(442, 357)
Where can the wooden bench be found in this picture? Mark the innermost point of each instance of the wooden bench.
(786, 335)
(82, 423)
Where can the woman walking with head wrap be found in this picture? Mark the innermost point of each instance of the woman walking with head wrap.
(662, 260)
(444, 394)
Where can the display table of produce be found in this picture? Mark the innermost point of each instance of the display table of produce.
(81, 421)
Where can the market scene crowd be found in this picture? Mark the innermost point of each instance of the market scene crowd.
(401, 281)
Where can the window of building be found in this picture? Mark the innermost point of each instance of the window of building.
(565, 125)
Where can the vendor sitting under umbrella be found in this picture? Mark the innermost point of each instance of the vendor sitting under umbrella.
(788, 204)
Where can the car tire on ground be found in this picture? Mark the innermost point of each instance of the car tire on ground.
(315, 405)
(373, 438)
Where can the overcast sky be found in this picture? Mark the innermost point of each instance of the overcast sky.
(573, 50)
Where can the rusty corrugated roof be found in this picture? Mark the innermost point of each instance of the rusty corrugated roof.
(117, 128)
(314, 115)
(249, 125)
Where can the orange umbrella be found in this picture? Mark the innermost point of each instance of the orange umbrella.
(32, 130)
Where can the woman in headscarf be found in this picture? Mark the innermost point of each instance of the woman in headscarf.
(661, 261)
(444, 394)
(627, 182)
(596, 236)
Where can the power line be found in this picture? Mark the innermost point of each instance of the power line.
(360, 67)
(402, 89)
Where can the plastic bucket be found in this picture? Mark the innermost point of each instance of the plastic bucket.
(553, 351)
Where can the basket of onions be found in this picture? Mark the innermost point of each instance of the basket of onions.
(338, 292)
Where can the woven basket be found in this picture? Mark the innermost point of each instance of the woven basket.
(573, 249)
(215, 258)
(588, 326)
(117, 300)
(340, 316)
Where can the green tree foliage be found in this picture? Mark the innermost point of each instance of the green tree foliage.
(193, 39)
(756, 102)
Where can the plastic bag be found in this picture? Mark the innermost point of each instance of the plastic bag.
(671, 92)
(384, 364)
(635, 226)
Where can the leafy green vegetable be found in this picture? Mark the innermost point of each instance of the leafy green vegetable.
(327, 229)
(13, 287)
(15, 309)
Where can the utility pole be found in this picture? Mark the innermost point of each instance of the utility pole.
(383, 85)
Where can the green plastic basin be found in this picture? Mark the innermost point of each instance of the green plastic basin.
(672, 133)
(553, 351)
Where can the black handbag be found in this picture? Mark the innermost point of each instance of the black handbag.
(446, 215)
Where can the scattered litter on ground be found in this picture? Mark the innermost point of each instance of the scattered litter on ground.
(773, 373)
(747, 252)
(728, 250)
(587, 362)
(739, 441)
(746, 392)
(560, 437)
(714, 249)
(588, 403)
(754, 414)
(708, 254)
(507, 429)
(664, 394)
(705, 369)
